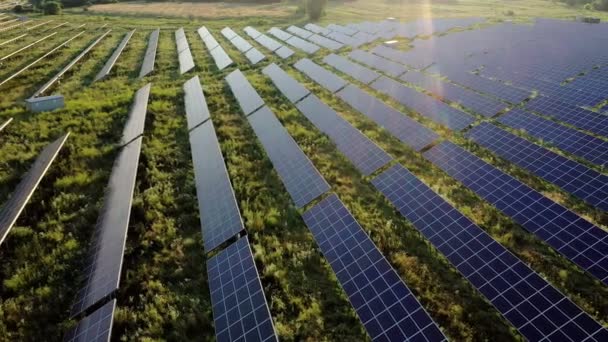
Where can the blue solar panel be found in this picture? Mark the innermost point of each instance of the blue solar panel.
(219, 212)
(478, 103)
(196, 105)
(575, 238)
(362, 152)
(531, 304)
(248, 98)
(354, 70)
(96, 327)
(303, 45)
(486, 86)
(384, 304)
(291, 88)
(299, 32)
(398, 124)
(300, 177)
(575, 116)
(320, 75)
(579, 144)
(577, 179)
(240, 311)
(241, 44)
(388, 67)
(345, 39)
(341, 29)
(425, 105)
(325, 42)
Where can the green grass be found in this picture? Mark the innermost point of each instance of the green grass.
(164, 293)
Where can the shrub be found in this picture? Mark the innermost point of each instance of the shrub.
(315, 8)
(18, 9)
(51, 7)
(601, 5)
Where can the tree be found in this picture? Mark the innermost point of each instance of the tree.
(51, 7)
(315, 8)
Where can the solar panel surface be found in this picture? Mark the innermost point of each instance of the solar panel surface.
(268, 42)
(147, 65)
(576, 239)
(196, 106)
(284, 52)
(299, 32)
(137, 115)
(531, 304)
(105, 71)
(291, 88)
(280, 34)
(96, 327)
(221, 58)
(254, 56)
(366, 156)
(320, 75)
(301, 179)
(388, 67)
(384, 304)
(252, 32)
(219, 212)
(241, 44)
(425, 105)
(12, 208)
(575, 116)
(398, 124)
(303, 45)
(248, 98)
(228, 33)
(325, 42)
(354, 70)
(240, 311)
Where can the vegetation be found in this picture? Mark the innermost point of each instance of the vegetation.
(164, 292)
(51, 7)
(315, 8)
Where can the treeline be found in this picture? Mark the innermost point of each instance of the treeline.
(600, 5)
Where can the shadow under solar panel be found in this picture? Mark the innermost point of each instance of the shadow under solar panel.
(384, 304)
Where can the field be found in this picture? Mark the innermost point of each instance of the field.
(164, 291)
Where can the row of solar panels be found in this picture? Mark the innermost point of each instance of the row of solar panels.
(94, 304)
(530, 303)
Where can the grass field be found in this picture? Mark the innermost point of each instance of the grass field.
(164, 291)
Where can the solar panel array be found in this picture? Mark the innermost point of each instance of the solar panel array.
(102, 273)
(576, 239)
(531, 304)
(301, 179)
(577, 179)
(248, 98)
(325, 42)
(398, 124)
(346, 39)
(269, 43)
(425, 105)
(572, 115)
(588, 147)
(186, 63)
(253, 55)
(354, 70)
(378, 63)
(291, 88)
(12, 208)
(96, 327)
(302, 33)
(483, 85)
(294, 41)
(482, 105)
(196, 105)
(220, 57)
(384, 304)
(239, 306)
(366, 156)
(134, 127)
(320, 75)
(105, 71)
(150, 57)
(65, 69)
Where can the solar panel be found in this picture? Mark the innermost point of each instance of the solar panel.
(354, 70)
(181, 41)
(385, 305)
(203, 32)
(221, 58)
(12, 208)
(576, 239)
(291, 88)
(579, 180)
(248, 98)
(96, 327)
(150, 57)
(529, 302)
(186, 63)
(316, 29)
(486, 86)
(210, 42)
(579, 144)
(137, 115)
(228, 33)
(478, 103)
(390, 53)
(300, 177)
(196, 105)
(364, 37)
(105, 71)
(102, 273)
(240, 311)
(251, 32)
(346, 40)
(268, 42)
(398, 124)
(284, 52)
(254, 56)
(303, 45)
(575, 116)
(425, 105)
(280, 34)
(320, 75)
(341, 29)
(378, 63)
(366, 156)
(325, 42)
(5, 123)
(65, 69)
(299, 32)
(219, 212)
(241, 44)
